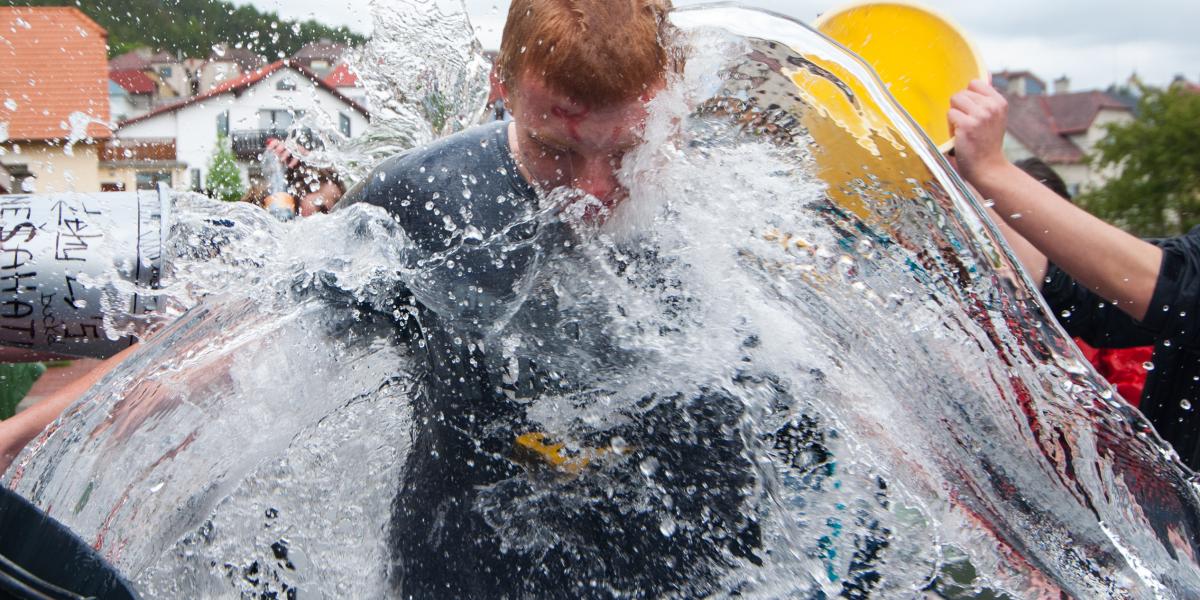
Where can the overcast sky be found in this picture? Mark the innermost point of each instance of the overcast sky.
(1094, 42)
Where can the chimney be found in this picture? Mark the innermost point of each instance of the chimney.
(1062, 85)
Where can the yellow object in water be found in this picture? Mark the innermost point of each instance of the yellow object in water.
(922, 57)
(536, 446)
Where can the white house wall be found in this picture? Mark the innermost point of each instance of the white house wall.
(194, 127)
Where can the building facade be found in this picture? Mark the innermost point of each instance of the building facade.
(54, 101)
(248, 111)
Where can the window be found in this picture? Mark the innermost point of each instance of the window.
(223, 123)
(165, 71)
(112, 187)
(196, 186)
(149, 180)
(277, 120)
(344, 124)
(286, 84)
(23, 180)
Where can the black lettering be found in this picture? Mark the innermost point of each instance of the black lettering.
(16, 255)
(70, 297)
(6, 236)
(86, 330)
(16, 283)
(30, 331)
(15, 309)
(20, 212)
(65, 245)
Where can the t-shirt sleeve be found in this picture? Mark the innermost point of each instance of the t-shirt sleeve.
(1086, 315)
(1174, 312)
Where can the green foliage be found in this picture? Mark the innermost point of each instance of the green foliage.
(193, 27)
(15, 381)
(224, 181)
(1157, 193)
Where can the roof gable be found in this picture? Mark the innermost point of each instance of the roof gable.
(1032, 124)
(342, 76)
(133, 81)
(238, 85)
(53, 68)
(1043, 123)
(1075, 113)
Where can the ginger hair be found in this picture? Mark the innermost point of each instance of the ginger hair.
(595, 51)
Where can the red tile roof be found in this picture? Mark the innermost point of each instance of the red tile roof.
(320, 50)
(1043, 123)
(133, 81)
(1074, 113)
(239, 84)
(53, 64)
(342, 76)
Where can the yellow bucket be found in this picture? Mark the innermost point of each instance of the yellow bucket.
(922, 57)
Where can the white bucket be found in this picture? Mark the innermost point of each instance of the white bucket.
(56, 253)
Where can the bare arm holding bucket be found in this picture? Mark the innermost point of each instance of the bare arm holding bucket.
(1113, 263)
(20, 429)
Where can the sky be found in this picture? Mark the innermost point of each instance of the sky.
(1094, 42)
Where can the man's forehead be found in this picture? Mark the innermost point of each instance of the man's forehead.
(534, 89)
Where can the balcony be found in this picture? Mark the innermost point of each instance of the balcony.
(137, 150)
(248, 144)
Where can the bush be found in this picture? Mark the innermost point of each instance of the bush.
(224, 180)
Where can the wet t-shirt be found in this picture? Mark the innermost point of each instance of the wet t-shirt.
(486, 266)
(470, 216)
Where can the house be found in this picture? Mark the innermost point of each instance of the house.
(249, 110)
(1061, 129)
(1018, 83)
(169, 73)
(226, 62)
(54, 102)
(343, 79)
(320, 57)
(130, 93)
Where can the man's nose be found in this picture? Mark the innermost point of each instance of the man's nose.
(597, 177)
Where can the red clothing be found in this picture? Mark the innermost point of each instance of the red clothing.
(1123, 367)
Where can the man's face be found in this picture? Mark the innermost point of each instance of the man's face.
(560, 142)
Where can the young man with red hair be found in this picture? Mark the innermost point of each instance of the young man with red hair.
(472, 518)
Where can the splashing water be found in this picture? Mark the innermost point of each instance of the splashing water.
(795, 362)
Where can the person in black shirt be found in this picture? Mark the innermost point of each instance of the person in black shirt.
(1108, 287)
(483, 236)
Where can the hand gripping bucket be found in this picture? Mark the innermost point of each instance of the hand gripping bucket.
(65, 258)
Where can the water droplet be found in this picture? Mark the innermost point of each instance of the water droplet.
(1066, 314)
(472, 234)
(649, 466)
(1148, 366)
(1015, 216)
(1185, 404)
(10, 104)
(667, 526)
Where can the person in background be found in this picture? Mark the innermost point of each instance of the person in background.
(310, 191)
(1124, 368)
(1106, 286)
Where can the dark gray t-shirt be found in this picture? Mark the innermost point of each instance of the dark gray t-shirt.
(486, 259)
(472, 219)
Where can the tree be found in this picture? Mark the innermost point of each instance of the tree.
(192, 27)
(1156, 192)
(224, 180)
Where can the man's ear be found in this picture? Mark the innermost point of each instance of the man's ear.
(499, 91)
